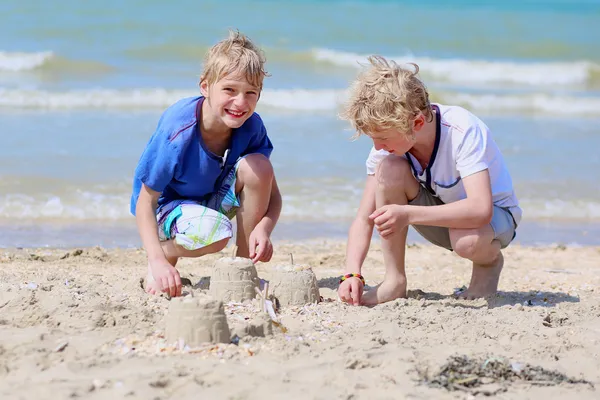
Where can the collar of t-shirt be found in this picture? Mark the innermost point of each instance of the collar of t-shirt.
(427, 171)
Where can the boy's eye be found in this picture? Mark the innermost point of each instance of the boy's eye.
(227, 89)
(252, 93)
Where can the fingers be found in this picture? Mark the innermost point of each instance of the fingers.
(377, 212)
(264, 251)
(172, 289)
(383, 219)
(355, 291)
(164, 284)
(259, 251)
(268, 253)
(171, 284)
(386, 232)
(252, 245)
(344, 294)
(350, 292)
(178, 285)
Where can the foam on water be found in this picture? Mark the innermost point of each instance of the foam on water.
(19, 61)
(301, 100)
(339, 203)
(48, 62)
(479, 71)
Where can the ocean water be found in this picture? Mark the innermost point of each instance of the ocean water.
(82, 86)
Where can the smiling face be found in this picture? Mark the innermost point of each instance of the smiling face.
(231, 101)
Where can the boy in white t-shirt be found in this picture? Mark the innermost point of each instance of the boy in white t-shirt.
(434, 167)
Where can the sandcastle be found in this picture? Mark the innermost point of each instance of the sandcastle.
(294, 285)
(233, 279)
(196, 320)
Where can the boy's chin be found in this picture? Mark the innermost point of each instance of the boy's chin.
(234, 123)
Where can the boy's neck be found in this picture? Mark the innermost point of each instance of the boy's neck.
(210, 126)
(423, 148)
(215, 134)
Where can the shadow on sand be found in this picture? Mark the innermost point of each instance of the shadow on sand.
(502, 298)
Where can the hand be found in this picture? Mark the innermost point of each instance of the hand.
(166, 277)
(390, 219)
(260, 246)
(350, 291)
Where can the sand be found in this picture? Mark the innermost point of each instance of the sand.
(76, 324)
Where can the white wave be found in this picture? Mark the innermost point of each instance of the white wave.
(584, 210)
(15, 62)
(301, 100)
(94, 98)
(81, 205)
(526, 103)
(338, 203)
(479, 71)
(293, 99)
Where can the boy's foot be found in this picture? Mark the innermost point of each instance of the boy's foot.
(484, 280)
(388, 290)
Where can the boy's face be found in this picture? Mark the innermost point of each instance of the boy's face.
(232, 99)
(393, 141)
(396, 142)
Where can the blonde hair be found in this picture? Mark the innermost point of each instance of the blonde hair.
(236, 54)
(386, 96)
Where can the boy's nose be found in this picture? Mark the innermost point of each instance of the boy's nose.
(240, 100)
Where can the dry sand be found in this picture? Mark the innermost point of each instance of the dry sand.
(76, 324)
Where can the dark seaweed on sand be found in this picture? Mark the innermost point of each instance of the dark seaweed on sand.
(461, 372)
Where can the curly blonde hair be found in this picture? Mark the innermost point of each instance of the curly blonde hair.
(386, 96)
(235, 55)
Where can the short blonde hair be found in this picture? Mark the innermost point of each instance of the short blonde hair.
(386, 96)
(235, 55)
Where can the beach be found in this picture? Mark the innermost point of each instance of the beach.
(75, 117)
(82, 88)
(75, 323)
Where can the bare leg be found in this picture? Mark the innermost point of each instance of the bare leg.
(479, 246)
(173, 252)
(395, 185)
(254, 183)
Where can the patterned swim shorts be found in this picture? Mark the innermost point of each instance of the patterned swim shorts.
(194, 225)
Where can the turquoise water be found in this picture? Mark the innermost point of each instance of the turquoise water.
(83, 84)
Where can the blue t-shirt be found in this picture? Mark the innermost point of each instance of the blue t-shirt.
(176, 162)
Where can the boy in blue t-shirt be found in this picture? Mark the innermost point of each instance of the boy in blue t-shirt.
(208, 161)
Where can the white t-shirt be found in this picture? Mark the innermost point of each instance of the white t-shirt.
(464, 146)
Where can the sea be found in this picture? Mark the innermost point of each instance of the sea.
(83, 84)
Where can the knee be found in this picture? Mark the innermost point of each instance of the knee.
(465, 242)
(393, 171)
(255, 170)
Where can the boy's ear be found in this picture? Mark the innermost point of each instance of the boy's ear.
(419, 122)
(204, 87)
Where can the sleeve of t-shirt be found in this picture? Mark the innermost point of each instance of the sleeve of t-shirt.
(158, 162)
(260, 143)
(375, 157)
(471, 155)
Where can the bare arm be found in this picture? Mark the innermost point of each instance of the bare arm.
(471, 213)
(273, 211)
(361, 230)
(145, 215)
